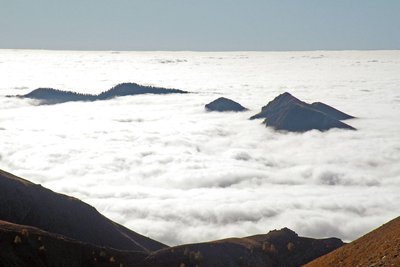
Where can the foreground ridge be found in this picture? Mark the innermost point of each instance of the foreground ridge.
(381, 247)
(23, 245)
(276, 248)
(25, 203)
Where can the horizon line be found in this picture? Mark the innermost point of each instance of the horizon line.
(199, 51)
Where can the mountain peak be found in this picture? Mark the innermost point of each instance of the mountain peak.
(286, 112)
(224, 104)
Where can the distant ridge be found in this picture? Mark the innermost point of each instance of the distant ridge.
(54, 96)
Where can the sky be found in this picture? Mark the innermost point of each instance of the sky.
(223, 25)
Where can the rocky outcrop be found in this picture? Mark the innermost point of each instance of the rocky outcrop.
(277, 248)
(55, 96)
(287, 112)
(25, 203)
(224, 104)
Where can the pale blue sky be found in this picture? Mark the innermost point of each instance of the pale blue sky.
(200, 24)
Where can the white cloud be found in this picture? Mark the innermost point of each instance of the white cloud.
(164, 167)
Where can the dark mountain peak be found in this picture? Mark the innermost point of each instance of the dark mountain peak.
(286, 112)
(55, 96)
(286, 96)
(277, 105)
(224, 104)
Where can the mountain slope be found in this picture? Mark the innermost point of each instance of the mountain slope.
(277, 248)
(22, 202)
(23, 245)
(380, 247)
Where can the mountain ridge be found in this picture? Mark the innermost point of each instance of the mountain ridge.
(48, 96)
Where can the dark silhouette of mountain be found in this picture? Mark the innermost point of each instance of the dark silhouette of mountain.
(22, 202)
(23, 245)
(277, 106)
(277, 248)
(224, 104)
(287, 112)
(381, 247)
(331, 111)
(125, 89)
(55, 96)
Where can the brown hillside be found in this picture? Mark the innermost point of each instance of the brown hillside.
(25, 203)
(277, 248)
(380, 247)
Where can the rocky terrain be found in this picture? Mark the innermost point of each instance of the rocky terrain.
(224, 104)
(380, 247)
(55, 96)
(288, 113)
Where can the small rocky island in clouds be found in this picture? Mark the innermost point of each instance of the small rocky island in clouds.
(224, 104)
(288, 113)
(55, 96)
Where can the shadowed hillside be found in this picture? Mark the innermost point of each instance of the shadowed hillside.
(54, 96)
(22, 202)
(380, 247)
(277, 248)
(22, 245)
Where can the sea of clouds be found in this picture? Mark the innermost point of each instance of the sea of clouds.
(164, 167)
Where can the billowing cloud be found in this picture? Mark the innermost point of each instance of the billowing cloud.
(166, 168)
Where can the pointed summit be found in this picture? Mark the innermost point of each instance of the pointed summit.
(286, 112)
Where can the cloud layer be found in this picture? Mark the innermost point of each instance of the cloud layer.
(164, 167)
